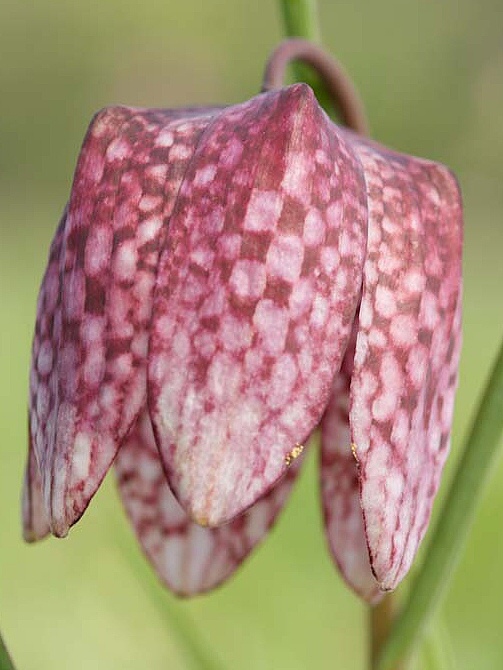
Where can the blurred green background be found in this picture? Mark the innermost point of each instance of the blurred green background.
(431, 76)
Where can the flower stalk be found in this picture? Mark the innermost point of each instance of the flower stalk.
(381, 620)
(341, 92)
(301, 19)
(453, 526)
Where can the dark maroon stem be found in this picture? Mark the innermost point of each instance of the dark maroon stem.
(340, 87)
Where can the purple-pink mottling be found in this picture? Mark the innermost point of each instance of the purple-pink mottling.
(222, 282)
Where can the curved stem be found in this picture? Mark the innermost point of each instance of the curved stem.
(301, 19)
(343, 94)
(5, 660)
(454, 523)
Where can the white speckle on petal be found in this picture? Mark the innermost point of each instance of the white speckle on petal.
(81, 456)
(205, 175)
(272, 323)
(314, 228)
(125, 261)
(284, 258)
(263, 210)
(385, 302)
(248, 279)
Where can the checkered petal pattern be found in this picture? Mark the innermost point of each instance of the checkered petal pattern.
(35, 522)
(256, 294)
(407, 351)
(89, 353)
(224, 281)
(404, 372)
(340, 488)
(42, 380)
(188, 558)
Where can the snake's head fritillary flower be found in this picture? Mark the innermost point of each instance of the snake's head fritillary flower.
(224, 281)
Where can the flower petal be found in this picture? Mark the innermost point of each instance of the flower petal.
(43, 382)
(188, 558)
(35, 522)
(255, 298)
(340, 490)
(126, 181)
(407, 351)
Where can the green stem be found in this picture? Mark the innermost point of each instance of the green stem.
(194, 648)
(455, 520)
(300, 18)
(381, 618)
(5, 660)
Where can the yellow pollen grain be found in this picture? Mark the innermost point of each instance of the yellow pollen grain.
(295, 453)
(202, 521)
(353, 451)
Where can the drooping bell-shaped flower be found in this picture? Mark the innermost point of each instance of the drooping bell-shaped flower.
(224, 281)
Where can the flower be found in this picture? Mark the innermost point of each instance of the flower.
(222, 282)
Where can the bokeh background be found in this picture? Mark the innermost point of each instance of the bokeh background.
(431, 76)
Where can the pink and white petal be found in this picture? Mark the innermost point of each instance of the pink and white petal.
(407, 351)
(42, 395)
(126, 181)
(255, 298)
(34, 517)
(340, 490)
(188, 558)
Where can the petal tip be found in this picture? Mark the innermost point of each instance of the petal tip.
(204, 515)
(59, 527)
(202, 521)
(30, 536)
